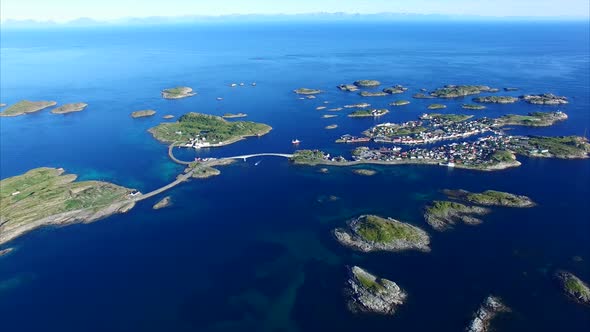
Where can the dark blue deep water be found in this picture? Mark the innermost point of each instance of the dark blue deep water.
(251, 250)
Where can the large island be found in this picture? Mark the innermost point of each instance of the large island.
(202, 130)
(25, 107)
(47, 196)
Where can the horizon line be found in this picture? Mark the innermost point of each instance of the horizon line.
(316, 15)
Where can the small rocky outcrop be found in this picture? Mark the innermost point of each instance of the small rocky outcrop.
(396, 89)
(422, 96)
(348, 87)
(573, 287)
(4, 252)
(69, 108)
(142, 114)
(307, 91)
(496, 100)
(484, 315)
(545, 99)
(364, 172)
(491, 198)
(369, 293)
(164, 202)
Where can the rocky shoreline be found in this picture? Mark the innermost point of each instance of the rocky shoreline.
(69, 108)
(443, 215)
(164, 202)
(370, 294)
(573, 287)
(482, 318)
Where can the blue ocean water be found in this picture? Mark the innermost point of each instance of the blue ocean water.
(251, 250)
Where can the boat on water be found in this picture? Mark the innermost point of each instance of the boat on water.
(257, 163)
(295, 142)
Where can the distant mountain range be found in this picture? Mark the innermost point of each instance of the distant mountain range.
(312, 17)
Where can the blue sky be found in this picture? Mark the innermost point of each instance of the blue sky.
(65, 10)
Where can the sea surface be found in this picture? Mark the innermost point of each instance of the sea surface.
(251, 249)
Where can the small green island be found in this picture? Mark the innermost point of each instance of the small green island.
(307, 91)
(495, 100)
(534, 119)
(436, 106)
(364, 172)
(234, 116)
(573, 287)
(26, 107)
(373, 94)
(473, 107)
(399, 103)
(491, 198)
(371, 294)
(396, 89)
(69, 108)
(442, 215)
(369, 233)
(47, 196)
(366, 113)
(421, 95)
(201, 130)
(545, 99)
(457, 91)
(178, 92)
(367, 83)
(143, 114)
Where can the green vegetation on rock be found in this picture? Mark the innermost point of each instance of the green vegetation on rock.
(377, 229)
(473, 107)
(373, 94)
(451, 117)
(178, 92)
(307, 91)
(496, 100)
(565, 147)
(142, 114)
(25, 106)
(455, 91)
(308, 157)
(499, 198)
(368, 113)
(28, 201)
(436, 106)
(367, 83)
(69, 108)
(534, 119)
(441, 215)
(214, 129)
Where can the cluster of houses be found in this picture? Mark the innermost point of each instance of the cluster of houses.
(436, 130)
(472, 153)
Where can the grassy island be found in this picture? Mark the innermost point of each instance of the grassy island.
(399, 103)
(496, 100)
(69, 108)
(545, 99)
(373, 94)
(436, 106)
(373, 233)
(450, 117)
(441, 215)
(142, 114)
(491, 198)
(456, 91)
(563, 147)
(396, 89)
(573, 287)
(178, 92)
(202, 130)
(233, 116)
(309, 157)
(368, 113)
(47, 196)
(367, 83)
(534, 119)
(369, 293)
(25, 107)
(307, 91)
(422, 96)
(473, 107)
